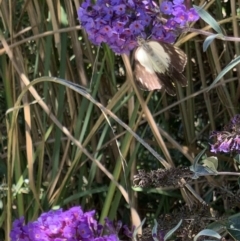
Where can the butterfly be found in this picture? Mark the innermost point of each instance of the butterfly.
(159, 65)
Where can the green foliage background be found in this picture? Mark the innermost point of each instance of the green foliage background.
(45, 164)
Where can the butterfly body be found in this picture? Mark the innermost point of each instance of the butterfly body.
(159, 65)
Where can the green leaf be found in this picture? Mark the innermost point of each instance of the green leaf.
(170, 233)
(237, 158)
(197, 158)
(233, 226)
(235, 233)
(208, 232)
(154, 230)
(209, 40)
(232, 64)
(195, 167)
(234, 223)
(208, 19)
(217, 226)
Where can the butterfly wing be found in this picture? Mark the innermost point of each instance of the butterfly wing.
(145, 74)
(145, 79)
(159, 65)
(178, 60)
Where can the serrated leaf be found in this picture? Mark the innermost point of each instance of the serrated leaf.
(232, 64)
(170, 233)
(208, 232)
(208, 41)
(208, 19)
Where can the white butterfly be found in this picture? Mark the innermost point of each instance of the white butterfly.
(158, 65)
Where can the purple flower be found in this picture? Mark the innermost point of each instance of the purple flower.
(176, 2)
(109, 225)
(145, 19)
(69, 231)
(17, 232)
(166, 7)
(225, 146)
(159, 236)
(227, 140)
(84, 231)
(158, 31)
(120, 9)
(169, 37)
(192, 15)
(179, 9)
(171, 24)
(107, 13)
(111, 237)
(181, 18)
(37, 232)
(71, 225)
(106, 30)
(118, 23)
(234, 122)
(115, 2)
(127, 231)
(53, 225)
(136, 27)
(119, 26)
(236, 143)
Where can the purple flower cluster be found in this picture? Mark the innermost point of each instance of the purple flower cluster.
(227, 140)
(119, 22)
(71, 225)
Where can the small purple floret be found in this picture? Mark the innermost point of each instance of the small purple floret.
(166, 7)
(227, 140)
